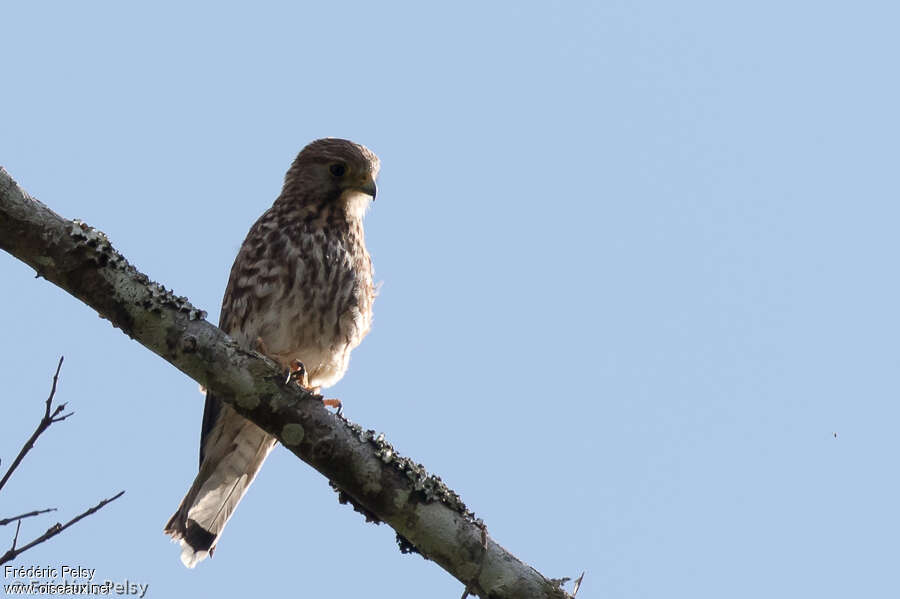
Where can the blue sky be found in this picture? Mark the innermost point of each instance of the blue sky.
(638, 265)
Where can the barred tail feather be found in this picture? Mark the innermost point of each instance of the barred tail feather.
(234, 451)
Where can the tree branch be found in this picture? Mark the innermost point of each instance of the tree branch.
(52, 531)
(428, 516)
(5, 521)
(48, 419)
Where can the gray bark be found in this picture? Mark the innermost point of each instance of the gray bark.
(428, 516)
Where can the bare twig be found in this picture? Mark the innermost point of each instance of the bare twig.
(48, 419)
(51, 416)
(577, 585)
(16, 537)
(53, 530)
(6, 521)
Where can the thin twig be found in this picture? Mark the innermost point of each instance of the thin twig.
(53, 530)
(48, 419)
(577, 585)
(6, 521)
(16, 537)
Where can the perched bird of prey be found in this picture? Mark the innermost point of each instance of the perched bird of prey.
(300, 290)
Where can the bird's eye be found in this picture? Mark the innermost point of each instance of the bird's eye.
(338, 169)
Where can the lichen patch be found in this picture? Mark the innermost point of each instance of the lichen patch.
(292, 434)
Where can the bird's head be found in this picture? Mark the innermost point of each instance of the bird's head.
(335, 172)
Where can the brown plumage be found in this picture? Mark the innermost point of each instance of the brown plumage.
(300, 289)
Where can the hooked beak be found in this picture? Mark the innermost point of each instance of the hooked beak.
(369, 188)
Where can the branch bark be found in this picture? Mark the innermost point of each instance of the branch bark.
(428, 516)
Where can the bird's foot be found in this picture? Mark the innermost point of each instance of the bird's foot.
(297, 372)
(334, 403)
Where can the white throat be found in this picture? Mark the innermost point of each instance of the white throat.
(356, 202)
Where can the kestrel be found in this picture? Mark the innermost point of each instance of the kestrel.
(300, 290)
